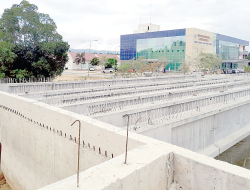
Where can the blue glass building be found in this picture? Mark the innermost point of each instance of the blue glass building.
(175, 45)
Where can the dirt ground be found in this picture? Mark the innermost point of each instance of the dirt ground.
(3, 183)
(75, 78)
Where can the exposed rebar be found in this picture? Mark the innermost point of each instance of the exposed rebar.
(126, 140)
(78, 150)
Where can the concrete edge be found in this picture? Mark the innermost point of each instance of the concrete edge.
(225, 143)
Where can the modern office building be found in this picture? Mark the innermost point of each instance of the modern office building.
(176, 45)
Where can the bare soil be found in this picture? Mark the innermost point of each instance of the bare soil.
(75, 78)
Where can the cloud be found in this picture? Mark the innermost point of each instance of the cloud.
(79, 21)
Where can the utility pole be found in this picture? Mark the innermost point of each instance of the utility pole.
(89, 53)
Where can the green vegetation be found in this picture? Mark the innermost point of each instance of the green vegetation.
(112, 63)
(248, 57)
(95, 61)
(108, 62)
(208, 61)
(29, 43)
(80, 58)
(139, 65)
(246, 69)
(185, 67)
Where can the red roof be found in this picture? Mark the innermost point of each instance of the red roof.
(90, 56)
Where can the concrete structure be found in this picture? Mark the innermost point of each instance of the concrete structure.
(176, 45)
(148, 27)
(88, 56)
(199, 115)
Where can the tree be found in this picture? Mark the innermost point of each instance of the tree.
(7, 57)
(124, 68)
(209, 61)
(103, 61)
(80, 58)
(112, 62)
(185, 67)
(163, 63)
(137, 64)
(95, 61)
(248, 57)
(35, 47)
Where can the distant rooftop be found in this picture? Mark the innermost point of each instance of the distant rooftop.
(90, 56)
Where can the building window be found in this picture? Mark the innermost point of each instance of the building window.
(153, 48)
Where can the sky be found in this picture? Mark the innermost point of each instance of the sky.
(81, 21)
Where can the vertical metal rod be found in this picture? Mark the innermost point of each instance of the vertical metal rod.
(78, 150)
(126, 140)
(244, 163)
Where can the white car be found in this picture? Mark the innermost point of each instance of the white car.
(147, 73)
(241, 70)
(91, 69)
(108, 70)
(198, 73)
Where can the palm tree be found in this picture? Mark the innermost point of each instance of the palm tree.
(80, 58)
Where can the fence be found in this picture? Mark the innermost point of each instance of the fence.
(25, 80)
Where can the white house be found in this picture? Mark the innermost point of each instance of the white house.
(71, 65)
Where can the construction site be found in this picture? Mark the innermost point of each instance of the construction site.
(168, 128)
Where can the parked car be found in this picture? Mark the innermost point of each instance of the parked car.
(241, 70)
(228, 71)
(198, 73)
(235, 71)
(108, 70)
(91, 69)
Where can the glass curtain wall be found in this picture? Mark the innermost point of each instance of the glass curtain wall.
(228, 50)
(173, 48)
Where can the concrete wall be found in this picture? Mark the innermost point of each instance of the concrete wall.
(34, 155)
(38, 141)
(196, 172)
(204, 39)
(202, 131)
(157, 110)
(146, 169)
(24, 88)
(161, 167)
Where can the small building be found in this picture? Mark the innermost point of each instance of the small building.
(176, 45)
(147, 28)
(71, 64)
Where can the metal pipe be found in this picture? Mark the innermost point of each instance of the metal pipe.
(78, 150)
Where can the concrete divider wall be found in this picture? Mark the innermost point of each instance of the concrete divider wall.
(37, 139)
(197, 172)
(200, 130)
(35, 87)
(101, 105)
(157, 110)
(41, 154)
(60, 121)
(33, 156)
(148, 168)
(79, 95)
(161, 167)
